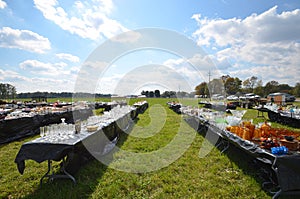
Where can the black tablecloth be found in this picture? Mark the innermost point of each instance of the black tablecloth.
(41, 149)
(22, 127)
(141, 107)
(285, 166)
(281, 118)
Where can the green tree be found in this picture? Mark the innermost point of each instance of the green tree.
(285, 88)
(157, 93)
(201, 89)
(271, 87)
(250, 83)
(151, 94)
(232, 85)
(259, 89)
(296, 90)
(7, 91)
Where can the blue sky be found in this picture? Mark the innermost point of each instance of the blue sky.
(43, 44)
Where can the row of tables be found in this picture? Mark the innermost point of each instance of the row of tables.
(280, 117)
(14, 129)
(77, 148)
(285, 167)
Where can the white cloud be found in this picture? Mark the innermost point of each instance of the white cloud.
(36, 67)
(87, 19)
(108, 84)
(10, 76)
(2, 4)
(268, 27)
(64, 79)
(152, 75)
(258, 44)
(196, 68)
(69, 57)
(24, 40)
(127, 37)
(269, 73)
(47, 84)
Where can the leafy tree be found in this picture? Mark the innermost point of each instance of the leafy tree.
(271, 87)
(151, 94)
(7, 91)
(285, 88)
(169, 94)
(143, 93)
(201, 89)
(157, 93)
(259, 89)
(250, 83)
(232, 85)
(296, 90)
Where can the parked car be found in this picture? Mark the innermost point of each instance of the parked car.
(289, 98)
(232, 97)
(250, 96)
(217, 97)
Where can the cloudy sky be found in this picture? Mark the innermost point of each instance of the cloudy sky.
(45, 44)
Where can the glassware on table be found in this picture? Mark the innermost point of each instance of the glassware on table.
(42, 131)
(77, 127)
(45, 130)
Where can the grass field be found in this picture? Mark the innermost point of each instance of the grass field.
(228, 175)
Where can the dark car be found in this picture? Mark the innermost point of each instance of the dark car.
(289, 98)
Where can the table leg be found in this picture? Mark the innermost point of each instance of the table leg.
(47, 173)
(260, 114)
(66, 173)
(224, 143)
(277, 194)
(54, 176)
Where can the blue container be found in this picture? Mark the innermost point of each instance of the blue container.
(282, 150)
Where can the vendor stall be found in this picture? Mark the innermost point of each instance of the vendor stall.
(20, 127)
(74, 144)
(289, 116)
(283, 159)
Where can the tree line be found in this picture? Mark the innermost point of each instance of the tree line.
(227, 85)
(224, 85)
(155, 93)
(28, 95)
(7, 91)
(167, 94)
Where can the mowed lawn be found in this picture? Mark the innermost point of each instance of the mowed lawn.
(217, 175)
